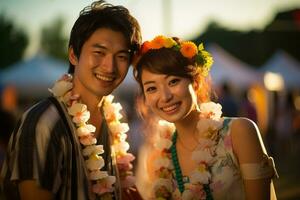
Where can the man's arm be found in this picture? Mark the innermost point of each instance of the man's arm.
(29, 190)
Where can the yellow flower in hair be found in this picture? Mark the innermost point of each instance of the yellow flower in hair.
(201, 47)
(158, 42)
(188, 49)
(169, 42)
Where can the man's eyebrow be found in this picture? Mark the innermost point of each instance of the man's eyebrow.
(99, 46)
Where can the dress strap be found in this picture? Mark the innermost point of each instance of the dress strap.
(225, 126)
(226, 122)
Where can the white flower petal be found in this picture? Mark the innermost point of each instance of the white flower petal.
(61, 87)
(202, 156)
(93, 149)
(163, 144)
(77, 108)
(162, 162)
(200, 177)
(85, 130)
(81, 117)
(165, 128)
(94, 163)
(121, 147)
(97, 174)
(109, 98)
(162, 182)
(88, 140)
(211, 107)
(118, 127)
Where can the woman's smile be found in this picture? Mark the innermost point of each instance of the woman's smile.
(171, 109)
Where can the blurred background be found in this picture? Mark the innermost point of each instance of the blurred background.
(256, 73)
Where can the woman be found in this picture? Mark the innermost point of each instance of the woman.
(196, 154)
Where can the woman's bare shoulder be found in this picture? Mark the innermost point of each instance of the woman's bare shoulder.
(246, 140)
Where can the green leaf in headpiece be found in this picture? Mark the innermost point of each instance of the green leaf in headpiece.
(199, 59)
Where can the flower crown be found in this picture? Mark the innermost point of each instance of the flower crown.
(188, 49)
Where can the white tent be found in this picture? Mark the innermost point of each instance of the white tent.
(127, 90)
(227, 68)
(33, 77)
(285, 65)
(129, 82)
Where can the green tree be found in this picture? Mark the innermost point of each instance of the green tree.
(13, 42)
(53, 39)
(256, 47)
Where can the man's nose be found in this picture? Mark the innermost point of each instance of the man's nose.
(108, 63)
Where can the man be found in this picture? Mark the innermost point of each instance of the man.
(45, 158)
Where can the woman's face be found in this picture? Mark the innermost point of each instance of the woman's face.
(170, 97)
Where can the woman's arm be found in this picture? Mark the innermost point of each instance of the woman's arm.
(249, 149)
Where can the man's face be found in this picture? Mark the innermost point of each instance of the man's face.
(103, 63)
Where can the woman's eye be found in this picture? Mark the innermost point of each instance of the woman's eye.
(174, 81)
(150, 89)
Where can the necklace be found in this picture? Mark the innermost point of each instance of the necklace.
(183, 145)
(178, 173)
(168, 171)
(102, 182)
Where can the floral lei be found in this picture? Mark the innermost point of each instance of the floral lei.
(101, 180)
(204, 155)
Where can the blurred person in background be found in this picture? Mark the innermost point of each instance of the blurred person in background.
(228, 101)
(9, 99)
(72, 145)
(8, 118)
(247, 108)
(284, 128)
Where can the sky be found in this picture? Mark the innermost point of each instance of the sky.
(182, 18)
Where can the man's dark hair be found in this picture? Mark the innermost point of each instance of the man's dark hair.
(104, 15)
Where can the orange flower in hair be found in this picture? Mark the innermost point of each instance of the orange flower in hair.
(188, 49)
(158, 42)
(145, 47)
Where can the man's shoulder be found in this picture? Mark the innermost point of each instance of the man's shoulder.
(42, 117)
(43, 108)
